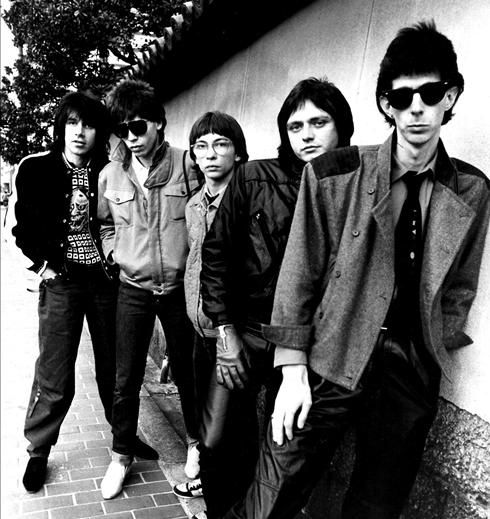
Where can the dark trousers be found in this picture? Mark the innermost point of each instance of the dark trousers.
(392, 410)
(63, 304)
(136, 312)
(229, 432)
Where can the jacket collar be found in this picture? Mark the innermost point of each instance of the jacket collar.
(122, 154)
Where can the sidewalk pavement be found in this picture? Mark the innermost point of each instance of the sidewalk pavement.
(79, 460)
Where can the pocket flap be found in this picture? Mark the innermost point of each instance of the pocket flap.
(180, 189)
(119, 196)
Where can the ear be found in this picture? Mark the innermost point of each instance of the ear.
(385, 106)
(451, 97)
(159, 125)
(238, 158)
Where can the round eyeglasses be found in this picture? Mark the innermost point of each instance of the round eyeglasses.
(220, 147)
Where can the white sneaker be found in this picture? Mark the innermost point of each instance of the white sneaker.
(117, 471)
(192, 467)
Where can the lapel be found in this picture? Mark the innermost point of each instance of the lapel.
(382, 211)
(449, 220)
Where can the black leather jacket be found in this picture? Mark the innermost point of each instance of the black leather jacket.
(42, 210)
(243, 249)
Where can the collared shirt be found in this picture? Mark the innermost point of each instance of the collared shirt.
(399, 188)
(209, 204)
(141, 173)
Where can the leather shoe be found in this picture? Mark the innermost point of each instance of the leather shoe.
(35, 474)
(117, 471)
(143, 450)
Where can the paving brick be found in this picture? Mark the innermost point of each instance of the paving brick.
(102, 442)
(82, 463)
(96, 427)
(145, 466)
(93, 472)
(68, 447)
(69, 429)
(78, 421)
(80, 436)
(154, 475)
(87, 453)
(162, 512)
(70, 488)
(92, 496)
(122, 515)
(78, 511)
(100, 461)
(34, 515)
(148, 488)
(133, 479)
(168, 498)
(45, 503)
(130, 503)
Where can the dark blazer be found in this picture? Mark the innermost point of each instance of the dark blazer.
(337, 277)
(42, 210)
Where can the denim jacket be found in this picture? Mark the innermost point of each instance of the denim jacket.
(147, 236)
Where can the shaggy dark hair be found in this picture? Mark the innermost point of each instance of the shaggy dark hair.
(324, 95)
(418, 50)
(92, 112)
(221, 124)
(135, 98)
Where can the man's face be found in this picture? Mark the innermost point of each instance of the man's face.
(143, 145)
(420, 123)
(311, 131)
(215, 155)
(79, 137)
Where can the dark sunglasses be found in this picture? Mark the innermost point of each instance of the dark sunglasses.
(137, 128)
(431, 94)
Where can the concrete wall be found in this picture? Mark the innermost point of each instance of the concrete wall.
(345, 40)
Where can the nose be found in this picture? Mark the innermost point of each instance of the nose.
(79, 128)
(131, 136)
(417, 105)
(307, 132)
(210, 153)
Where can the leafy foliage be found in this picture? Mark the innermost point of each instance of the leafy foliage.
(74, 44)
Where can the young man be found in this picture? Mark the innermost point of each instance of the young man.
(142, 196)
(241, 257)
(218, 146)
(377, 280)
(57, 230)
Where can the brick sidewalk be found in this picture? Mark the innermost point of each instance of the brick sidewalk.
(79, 460)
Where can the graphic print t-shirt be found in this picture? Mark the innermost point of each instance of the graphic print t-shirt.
(81, 248)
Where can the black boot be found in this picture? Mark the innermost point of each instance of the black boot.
(35, 474)
(142, 450)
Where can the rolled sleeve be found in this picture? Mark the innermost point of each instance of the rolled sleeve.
(286, 356)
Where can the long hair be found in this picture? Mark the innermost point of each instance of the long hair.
(92, 112)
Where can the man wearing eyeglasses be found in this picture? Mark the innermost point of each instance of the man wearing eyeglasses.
(142, 196)
(378, 276)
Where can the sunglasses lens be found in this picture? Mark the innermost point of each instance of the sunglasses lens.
(432, 93)
(137, 128)
(121, 130)
(400, 98)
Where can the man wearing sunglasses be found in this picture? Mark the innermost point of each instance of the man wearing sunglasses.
(142, 196)
(379, 273)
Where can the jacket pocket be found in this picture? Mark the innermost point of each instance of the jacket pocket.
(176, 198)
(121, 205)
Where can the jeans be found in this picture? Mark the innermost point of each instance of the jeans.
(136, 312)
(392, 409)
(229, 432)
(63, 304)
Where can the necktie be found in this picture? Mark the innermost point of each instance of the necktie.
(408, 254)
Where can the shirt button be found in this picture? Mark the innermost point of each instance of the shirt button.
(355, 233)
(337, 273)
(61, 244)
(92, 194)
(118, 199)
(371, 191)
(67, 195)
(91, 218)
(64, 220)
